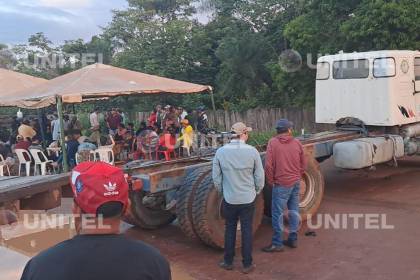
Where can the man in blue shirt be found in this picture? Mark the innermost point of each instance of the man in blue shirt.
(238, 174)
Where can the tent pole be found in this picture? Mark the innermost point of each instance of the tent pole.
(62, 136)
(214, 108)
(42, 125)
(213, 104)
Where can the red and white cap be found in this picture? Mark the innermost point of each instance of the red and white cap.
(96, 183)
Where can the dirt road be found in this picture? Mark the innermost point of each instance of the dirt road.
(390, 196)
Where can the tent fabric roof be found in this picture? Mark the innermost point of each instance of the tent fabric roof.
(11, 83)
(100, 81)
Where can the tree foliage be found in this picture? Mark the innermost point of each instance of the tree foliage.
(241, 50)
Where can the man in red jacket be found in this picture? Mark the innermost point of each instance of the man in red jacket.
(285, 164)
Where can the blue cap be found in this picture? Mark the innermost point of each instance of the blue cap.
(284, 124)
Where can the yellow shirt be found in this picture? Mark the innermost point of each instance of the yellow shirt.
(187, 136)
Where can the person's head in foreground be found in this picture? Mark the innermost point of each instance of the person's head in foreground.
(284, 127)
(98, 251)
(240, 131)
(100, 192)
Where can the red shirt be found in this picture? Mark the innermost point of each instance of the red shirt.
(23, 145)
(285, 161)
(114, 121)
(152, 119)
(167, 140)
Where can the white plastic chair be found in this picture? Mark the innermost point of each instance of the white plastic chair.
(23, 161)
(42, 163)
(3, 164)
(105, 155)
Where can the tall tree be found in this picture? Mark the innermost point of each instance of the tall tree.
(381, 24)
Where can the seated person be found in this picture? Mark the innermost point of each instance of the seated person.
(143, 127)
(36, 144)
(22, 143)
(84, 149)
(145, 142)
(130, 129)
(121, 134)
(85, 144)
(71, 147)
(167, 141)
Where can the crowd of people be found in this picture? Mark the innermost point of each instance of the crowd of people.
(166, 129)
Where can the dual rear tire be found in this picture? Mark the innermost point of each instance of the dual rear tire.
(199, 209)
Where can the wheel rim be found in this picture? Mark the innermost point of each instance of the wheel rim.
(307, 190)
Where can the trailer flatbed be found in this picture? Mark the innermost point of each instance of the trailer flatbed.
(31, 193)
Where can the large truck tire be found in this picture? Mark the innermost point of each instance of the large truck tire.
(185, 196)
(208, 218)
(144, 217)
(311, 191)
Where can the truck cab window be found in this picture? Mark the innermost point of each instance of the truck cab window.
(384, 67)
(417, 68)
(323, 71)
(351, 69)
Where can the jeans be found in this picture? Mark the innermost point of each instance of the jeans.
(282, 197)
(245, 214)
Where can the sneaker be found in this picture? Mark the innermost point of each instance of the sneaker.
(273, 249)
(225, 266)
(248, 269)
(290, 243)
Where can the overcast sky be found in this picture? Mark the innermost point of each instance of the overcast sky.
(59, 19)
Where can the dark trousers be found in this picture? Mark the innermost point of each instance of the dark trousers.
(245, 214)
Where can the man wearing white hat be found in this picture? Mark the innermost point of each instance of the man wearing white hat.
(238, 174)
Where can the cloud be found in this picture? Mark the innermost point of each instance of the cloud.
(36, 14)
(59, 19)
(66, 4)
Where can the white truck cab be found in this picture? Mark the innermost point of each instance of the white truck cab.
(381, 88)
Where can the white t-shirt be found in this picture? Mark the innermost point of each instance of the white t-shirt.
(184, 114)
(94, 120)
(56, 129)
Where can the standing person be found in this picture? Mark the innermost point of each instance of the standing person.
(98, 251)
(123, 116)
(202, 121)
(285, 164)
(95, 127)
(171, 119)
(187, 137)
(55, 126)
(113, 121)
(15, 125)
(159, 116)
(66, 124)
(192, 118)
(75, 124)
(182, 113)
(239, 175)
(165, 113)
(152, 120)
(26, 131)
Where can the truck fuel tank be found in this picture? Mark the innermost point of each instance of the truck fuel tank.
(366, 152)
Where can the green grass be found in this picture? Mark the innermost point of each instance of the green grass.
(260, 138)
